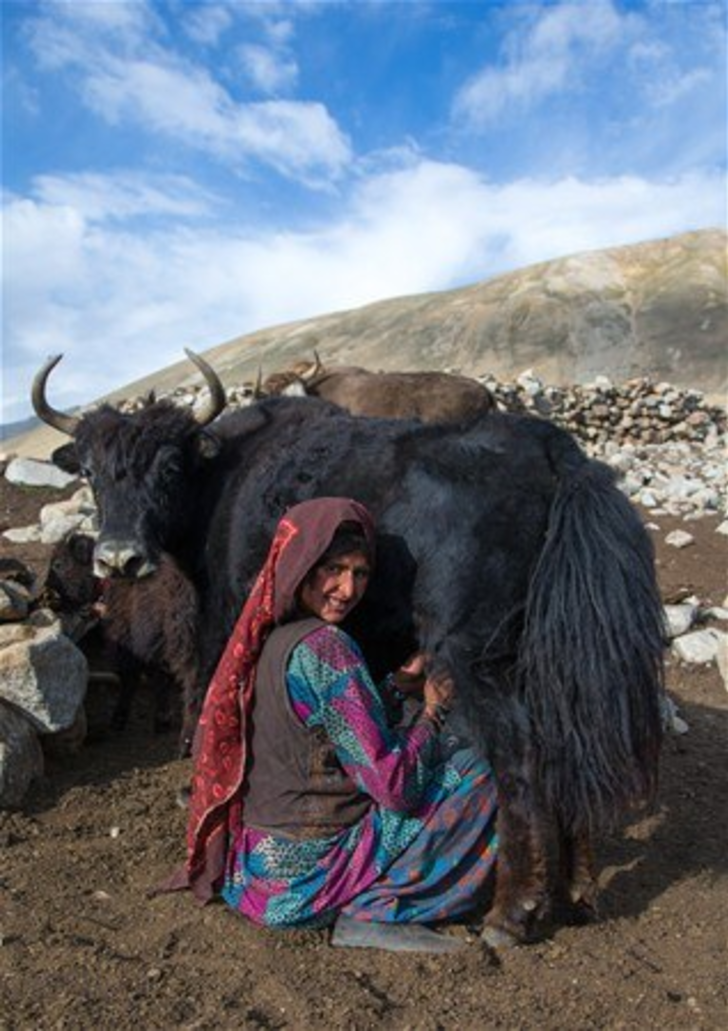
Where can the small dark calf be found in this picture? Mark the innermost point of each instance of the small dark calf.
(147, 627)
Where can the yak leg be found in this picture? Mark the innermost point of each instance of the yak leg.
(578, 879)
(130, 672)
(164, 691)
(522, 898)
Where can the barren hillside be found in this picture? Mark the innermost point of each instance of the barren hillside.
(657, 309)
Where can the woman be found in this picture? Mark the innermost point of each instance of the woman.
(307, 807)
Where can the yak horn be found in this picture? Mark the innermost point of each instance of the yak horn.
(308, 377)
(67, 424)
(217, 400)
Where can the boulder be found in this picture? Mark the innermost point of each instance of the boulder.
(679, 539)
(21, 757)
(30, 472)
(45, 675)
(679, 618)
(700, 646)
(15, 601)
(22, 534)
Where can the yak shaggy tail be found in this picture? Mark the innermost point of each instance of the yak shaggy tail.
(591, 662)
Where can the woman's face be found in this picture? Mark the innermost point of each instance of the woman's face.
(333, 589)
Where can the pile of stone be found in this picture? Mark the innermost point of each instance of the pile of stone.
(238, 396)
(43, 680)
(668, 444)
(602, 413)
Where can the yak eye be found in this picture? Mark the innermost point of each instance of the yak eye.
(168, 464)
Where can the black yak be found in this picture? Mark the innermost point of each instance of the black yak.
(503, 552)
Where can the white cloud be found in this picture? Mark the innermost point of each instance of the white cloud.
(130, 79)
(96, 198)
(207, 24)
(122, 301)
(543, 59)
(268, 70)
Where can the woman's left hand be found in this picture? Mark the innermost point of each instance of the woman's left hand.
(410, 677)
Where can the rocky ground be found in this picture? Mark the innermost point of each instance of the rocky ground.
(82, 946)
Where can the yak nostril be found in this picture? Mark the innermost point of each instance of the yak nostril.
(135, 567)
(117, 559)
(102, 570)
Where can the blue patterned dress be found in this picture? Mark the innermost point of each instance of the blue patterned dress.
(424, 849)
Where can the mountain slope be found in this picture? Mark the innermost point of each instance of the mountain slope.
(657, 309)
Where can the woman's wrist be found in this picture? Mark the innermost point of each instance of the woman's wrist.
(435, 713)
(390, 683)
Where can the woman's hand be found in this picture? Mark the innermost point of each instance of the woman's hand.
(409, 679)
(438, 691)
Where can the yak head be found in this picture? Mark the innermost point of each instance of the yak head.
(140, 466)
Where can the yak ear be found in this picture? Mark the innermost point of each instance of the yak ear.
(208, 445)
(66, 458)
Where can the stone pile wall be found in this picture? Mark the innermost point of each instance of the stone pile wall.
(601, 413)
(667, 443)
(637, 411)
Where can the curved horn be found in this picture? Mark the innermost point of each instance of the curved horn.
(217, 400)
(308, 377)
(67, 424)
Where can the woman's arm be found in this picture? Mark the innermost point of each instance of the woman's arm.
(330, 686)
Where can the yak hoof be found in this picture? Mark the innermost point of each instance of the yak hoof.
(580, 912)
(182, 798)
(499, 937)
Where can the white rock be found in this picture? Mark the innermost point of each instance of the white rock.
(723, 528)
(647, 498)
(81, 503)
(716, 612)
(672, 722)
(12, 632)
(679, 539)
(679, 618)
(14, 601)
(44, 676)
(631, 484)
(21, 757)
(530, 382)
(56, 529)
(32, 473)
(22, 534)
(44, 618)
(722, 658)
(621, 460)
(700, 646)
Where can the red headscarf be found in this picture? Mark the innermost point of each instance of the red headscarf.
(221, 741)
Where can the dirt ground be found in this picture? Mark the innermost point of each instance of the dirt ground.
(82, 946)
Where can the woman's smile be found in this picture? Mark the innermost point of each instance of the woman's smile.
(333, 589)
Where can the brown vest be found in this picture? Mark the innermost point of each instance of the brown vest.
(296, 785)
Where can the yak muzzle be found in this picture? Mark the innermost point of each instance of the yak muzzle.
(121, 559)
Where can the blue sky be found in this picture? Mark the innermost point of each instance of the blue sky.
(178, 173)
